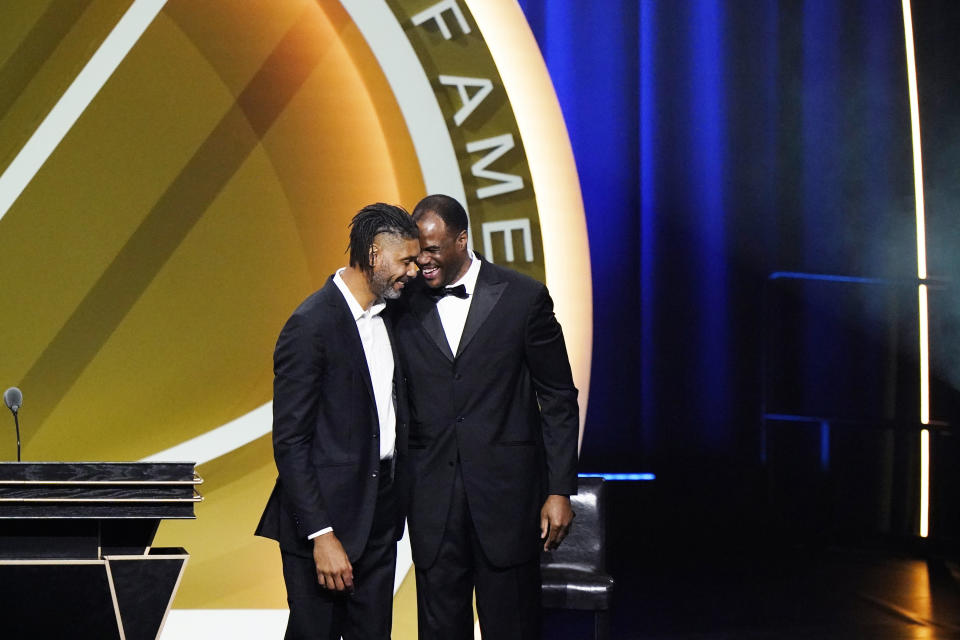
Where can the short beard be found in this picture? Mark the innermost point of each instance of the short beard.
(381, 286)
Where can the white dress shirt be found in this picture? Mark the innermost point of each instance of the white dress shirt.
(453, 310)
(379, 355)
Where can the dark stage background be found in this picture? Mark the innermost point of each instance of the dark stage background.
(719, 143)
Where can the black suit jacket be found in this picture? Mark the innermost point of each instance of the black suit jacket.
(325, 429)
(505, 405)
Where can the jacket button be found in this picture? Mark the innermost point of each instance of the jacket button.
(373, 475)
(376, 435)
(459, 418)
(457, 377)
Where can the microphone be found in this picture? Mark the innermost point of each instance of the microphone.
(13, 398)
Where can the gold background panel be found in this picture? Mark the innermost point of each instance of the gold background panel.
(166, 240)
(201, 196)
(74, 251)
(43, 46)
(226, 570)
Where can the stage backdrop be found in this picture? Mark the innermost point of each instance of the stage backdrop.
(719, 142)
(176, 176)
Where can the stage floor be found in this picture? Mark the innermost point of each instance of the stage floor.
(683, 581)
(694, 586)
(796, 595)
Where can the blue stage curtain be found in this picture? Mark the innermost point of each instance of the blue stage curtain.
(718, 141)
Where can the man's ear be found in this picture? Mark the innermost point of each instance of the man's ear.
(462, 239)
(372, 255)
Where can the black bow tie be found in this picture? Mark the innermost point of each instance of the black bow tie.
(459, 291)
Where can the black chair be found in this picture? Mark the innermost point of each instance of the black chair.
(575, 576)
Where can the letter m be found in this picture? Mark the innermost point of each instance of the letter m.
(506, 182)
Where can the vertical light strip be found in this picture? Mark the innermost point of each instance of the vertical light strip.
(924, 416)
(925, 483)
(915, 133)
(921, 272)
(75, 100)
(924, 357)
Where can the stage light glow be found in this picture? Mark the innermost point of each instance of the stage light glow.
(921, 270)
(634, 477)
(824, 277)
(554, 175)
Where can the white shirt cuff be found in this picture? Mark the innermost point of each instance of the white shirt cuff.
(319, 533)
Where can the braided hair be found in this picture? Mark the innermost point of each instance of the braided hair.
(370, 222)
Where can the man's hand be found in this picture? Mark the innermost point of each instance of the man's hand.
(334, 570)
(555, 519)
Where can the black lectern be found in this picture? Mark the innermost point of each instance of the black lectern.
(75, 547)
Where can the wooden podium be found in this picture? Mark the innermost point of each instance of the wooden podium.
(75, 547)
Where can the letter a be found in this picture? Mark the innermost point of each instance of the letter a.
(468, 103)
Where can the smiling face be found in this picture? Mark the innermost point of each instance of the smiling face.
(394, 263)
(443, 255)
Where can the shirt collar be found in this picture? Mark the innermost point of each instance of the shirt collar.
(469, 279)
(355, 309)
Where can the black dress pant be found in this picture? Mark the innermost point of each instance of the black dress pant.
(508, 598)
(366, 613)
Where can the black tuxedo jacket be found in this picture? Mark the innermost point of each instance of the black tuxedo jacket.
(326, 430)
(504, 404)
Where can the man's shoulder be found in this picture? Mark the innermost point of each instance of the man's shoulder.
(318, 304)
(310, 323)
(519, 282)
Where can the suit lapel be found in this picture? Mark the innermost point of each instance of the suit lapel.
(399, 385)
(485, 297)
(347, 327)
(397, 373)
(425, 310)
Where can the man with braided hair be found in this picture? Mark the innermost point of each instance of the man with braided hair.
(339, 427)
